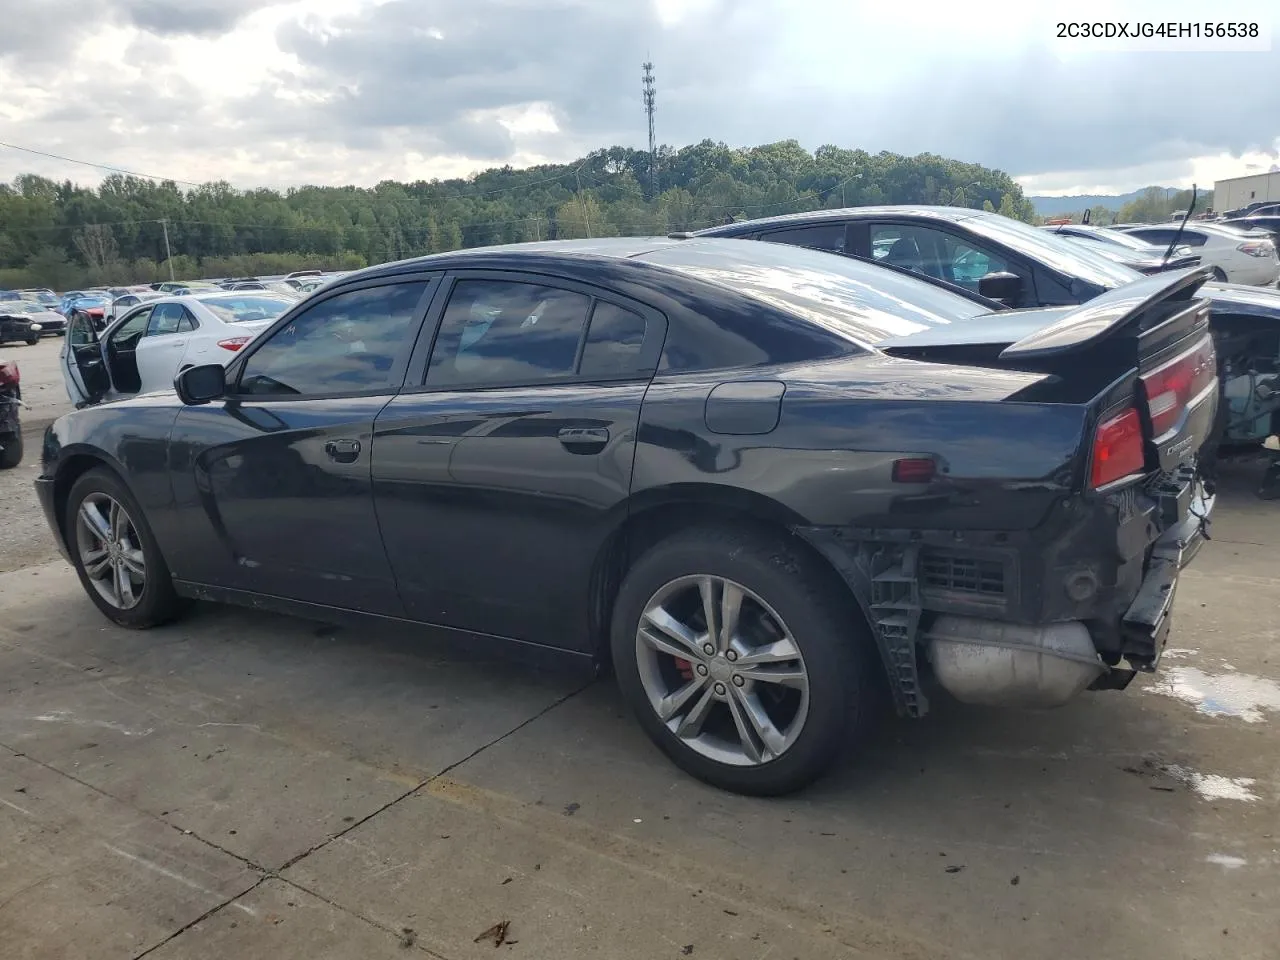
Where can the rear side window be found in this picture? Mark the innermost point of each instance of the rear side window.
(615, 341)
(502, 331)
(822, 236)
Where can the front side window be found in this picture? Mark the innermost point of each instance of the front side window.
(967, 263)
(130, 331)
(351, 343)
(501, 331)
(904, 246)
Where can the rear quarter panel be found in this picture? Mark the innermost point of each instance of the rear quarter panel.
(828, 461)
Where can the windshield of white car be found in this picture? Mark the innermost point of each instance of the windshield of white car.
(246, 309)
(1057, 253)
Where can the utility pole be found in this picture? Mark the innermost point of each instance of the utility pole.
(168, 254)
(649, 100)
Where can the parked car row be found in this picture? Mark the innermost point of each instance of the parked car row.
(764, 483)
(144, 348)
(1024, 266)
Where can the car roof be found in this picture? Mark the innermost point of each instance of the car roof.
(921, 211)
(846, 295)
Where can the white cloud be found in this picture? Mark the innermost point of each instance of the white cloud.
(283, 92)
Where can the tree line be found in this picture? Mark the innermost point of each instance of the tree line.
(63, 235)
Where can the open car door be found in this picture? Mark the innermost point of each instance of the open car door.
(84, 367)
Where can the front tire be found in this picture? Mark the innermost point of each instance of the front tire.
(742, 658)
(115, 554)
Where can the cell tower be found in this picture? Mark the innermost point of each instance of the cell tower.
(653, 144)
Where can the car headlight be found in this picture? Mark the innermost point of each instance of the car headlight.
(36, 327)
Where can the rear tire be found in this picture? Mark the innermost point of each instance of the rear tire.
(789, 604)
(11, 455)
(115, 554)
(1219, 274)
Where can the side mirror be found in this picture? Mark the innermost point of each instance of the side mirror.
(1001, 286)
(197, 385)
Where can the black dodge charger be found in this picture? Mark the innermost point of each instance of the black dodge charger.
(766, 484)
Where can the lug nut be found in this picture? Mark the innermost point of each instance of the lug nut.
(709, 649)
(702, 669)
(737, 680)
(720, 689)
(731, 655)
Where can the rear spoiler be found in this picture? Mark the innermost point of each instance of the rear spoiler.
(1110, 313)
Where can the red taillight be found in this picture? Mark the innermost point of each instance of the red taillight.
(233, 343)
(1117, 448)
(1173, 385)
(913, 470)
(9, 376)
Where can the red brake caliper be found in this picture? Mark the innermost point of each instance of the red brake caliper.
(685, 668)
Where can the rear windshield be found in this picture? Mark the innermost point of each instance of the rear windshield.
(856, 300)
(247, 309)
(1057, 253)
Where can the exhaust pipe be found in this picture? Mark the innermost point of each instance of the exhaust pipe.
(999, 664)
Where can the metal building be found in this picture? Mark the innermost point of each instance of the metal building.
(1241, 191)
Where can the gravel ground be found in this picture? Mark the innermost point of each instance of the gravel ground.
(25, 539)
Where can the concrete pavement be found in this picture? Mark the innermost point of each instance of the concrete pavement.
(247, 785)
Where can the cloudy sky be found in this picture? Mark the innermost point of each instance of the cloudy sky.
(282, 92)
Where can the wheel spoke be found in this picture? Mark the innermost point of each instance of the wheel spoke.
(134, 562)
(745, 735)
(780, 651)
(97, 524)
(673, 703)
(119, 520)
(692, 723)
(758, 718)
(707, 590)
(787, 676)
(670, 635)
(124, 585)
(96, 563)
(730, 609)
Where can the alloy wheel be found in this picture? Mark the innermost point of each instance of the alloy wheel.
(722, 671)
(110, 551)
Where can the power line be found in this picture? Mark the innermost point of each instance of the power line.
(100, 166)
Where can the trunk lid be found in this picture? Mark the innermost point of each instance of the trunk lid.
(1139, 356)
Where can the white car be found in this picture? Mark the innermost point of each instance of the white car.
(1236, 256)
(126, 301)
(145, 348)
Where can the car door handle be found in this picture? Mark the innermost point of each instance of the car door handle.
(343, 451)
(584, 439)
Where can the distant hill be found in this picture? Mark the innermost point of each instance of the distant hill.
(1049, 206)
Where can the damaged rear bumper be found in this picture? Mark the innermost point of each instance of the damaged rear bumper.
(1030, 619)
